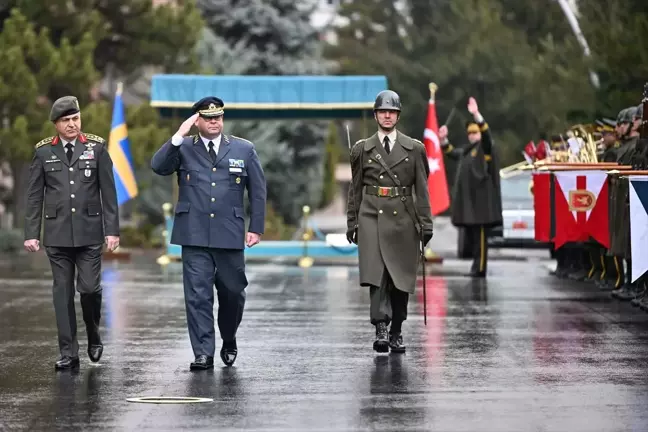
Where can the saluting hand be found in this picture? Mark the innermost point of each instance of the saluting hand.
(32, 245)
(186, 126)
(473, 108)
(112, 243)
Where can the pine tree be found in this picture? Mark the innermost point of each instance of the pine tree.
(271, 37)
(159, 35)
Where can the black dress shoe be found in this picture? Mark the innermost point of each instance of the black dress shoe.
(202, 362)
(228, 353)
(66, 362)
(94, 352)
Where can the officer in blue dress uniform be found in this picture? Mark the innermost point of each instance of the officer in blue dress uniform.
(213, 171)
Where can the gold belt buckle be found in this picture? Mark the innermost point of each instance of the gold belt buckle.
(384, 191)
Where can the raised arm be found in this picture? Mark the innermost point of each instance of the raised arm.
(166, 160)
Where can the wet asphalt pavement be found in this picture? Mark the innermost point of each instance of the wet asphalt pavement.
(518, 352)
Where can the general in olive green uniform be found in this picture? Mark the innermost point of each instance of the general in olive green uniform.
(73, 182)
(476, 195)
(388, 217)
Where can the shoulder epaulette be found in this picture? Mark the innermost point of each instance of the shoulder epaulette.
(95, 138)
(45, 141)
(242, 139)
(360, 141)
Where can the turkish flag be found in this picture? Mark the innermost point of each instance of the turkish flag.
(437, 183)
(581, 207)
(542, 206)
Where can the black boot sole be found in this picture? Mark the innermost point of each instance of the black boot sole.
(381, 346)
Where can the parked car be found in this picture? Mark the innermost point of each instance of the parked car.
(517, 229)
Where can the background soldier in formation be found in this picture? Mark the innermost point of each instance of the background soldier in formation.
(620, 216)
(389, 218)
(72, 175)
(476, 195)
(214, 170)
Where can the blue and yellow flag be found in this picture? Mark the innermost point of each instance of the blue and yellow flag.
(119, 150)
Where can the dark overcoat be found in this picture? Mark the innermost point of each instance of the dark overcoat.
(619, 204)
(476, 194)
(387, 232)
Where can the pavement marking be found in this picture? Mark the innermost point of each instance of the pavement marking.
(169, 399)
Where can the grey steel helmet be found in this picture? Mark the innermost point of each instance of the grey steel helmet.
(639, 113)
(387, 100)
(621, 116)
(629, 115)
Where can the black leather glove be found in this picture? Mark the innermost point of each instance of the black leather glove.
(427, 236)
(352, 235)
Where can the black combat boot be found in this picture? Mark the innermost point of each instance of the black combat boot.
(381, 344)
(91, 306)
(396, 342)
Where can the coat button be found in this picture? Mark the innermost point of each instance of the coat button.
(72, 196)
(380, 211)
(213, 184)
(213, 199)
(73, 209)
(71, 181)
(395, 175)
(211, 215)
(71, 169)
(395, 212)
(381, 176)
(214, 169)
(406, 159)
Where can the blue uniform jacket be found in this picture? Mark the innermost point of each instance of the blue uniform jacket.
(209, 212)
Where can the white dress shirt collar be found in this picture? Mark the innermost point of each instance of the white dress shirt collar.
(216, 142)
(391, 135)
(64, 141)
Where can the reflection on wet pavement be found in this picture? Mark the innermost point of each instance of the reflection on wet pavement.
(518, 352)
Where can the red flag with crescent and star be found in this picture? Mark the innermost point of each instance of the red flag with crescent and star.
(437, 183)
(581, 207)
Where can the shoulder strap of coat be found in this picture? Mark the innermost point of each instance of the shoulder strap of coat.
(407, 203)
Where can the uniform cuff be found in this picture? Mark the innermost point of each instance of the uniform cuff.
(176, 140)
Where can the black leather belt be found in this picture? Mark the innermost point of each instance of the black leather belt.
(383, 191)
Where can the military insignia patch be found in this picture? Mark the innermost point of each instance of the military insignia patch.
(87, 173)
(238, 180)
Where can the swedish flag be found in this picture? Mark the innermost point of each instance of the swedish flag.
(119, 150)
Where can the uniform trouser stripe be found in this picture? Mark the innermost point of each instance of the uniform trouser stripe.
(618, 279)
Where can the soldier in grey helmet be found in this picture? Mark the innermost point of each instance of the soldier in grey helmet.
(389, 218)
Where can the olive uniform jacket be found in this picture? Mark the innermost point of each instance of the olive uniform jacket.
(388, 237)
(79, 196)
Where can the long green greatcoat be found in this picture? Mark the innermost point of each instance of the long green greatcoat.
(387, 235)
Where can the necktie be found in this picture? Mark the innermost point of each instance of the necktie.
(212, 153)
(386, 141)
(68, 146)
